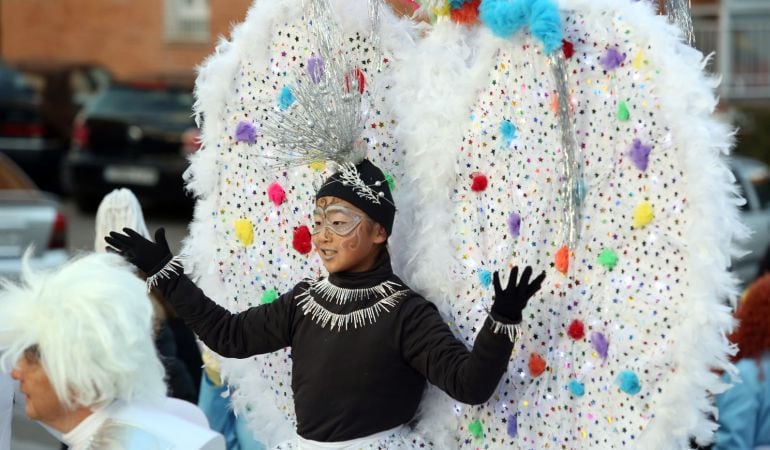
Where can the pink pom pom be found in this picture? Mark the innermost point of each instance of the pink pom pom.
(275, 193)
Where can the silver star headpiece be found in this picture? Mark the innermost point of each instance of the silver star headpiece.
(329, 111)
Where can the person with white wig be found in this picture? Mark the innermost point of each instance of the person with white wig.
(79, 341)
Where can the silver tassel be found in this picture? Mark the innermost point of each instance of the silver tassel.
(678, 12)
(571, 172)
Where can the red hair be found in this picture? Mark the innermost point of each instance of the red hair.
(753, 332)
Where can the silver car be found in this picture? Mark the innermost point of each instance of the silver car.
(753, 177)
(28, 217)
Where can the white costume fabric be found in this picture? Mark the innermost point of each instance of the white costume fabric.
(120, 426)
(619, 345)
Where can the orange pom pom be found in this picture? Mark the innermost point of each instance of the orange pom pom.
(562, 260)
(468, 14)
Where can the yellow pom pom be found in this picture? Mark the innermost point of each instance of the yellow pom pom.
(244, 230)
(643, 215)
(442, 11)
(317, 165)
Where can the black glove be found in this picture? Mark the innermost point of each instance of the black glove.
(510, 302)
(148, 256)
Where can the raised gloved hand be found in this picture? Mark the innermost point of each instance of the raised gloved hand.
(148, 256)
(510, 302)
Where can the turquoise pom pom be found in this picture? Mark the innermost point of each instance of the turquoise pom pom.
(285, 98)
(628, 382)
(577, 388)
(485, 277)
(545, 24)
(507, 131)
(504, 18)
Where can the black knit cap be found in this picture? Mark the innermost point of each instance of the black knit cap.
(370, 192)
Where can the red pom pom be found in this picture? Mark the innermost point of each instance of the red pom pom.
(576, 330)
(479, 182)
(361, 81)
(536, 365)
(561, 259)
(567, 48)
(301, 240)
(468, 14)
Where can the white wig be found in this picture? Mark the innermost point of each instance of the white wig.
(118, 209)
(91, 322)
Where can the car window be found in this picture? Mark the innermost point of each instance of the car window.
(761, 183)
(17, 86)
(126, 101)
(12, 178)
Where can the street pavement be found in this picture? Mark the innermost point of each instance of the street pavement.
(28, 435)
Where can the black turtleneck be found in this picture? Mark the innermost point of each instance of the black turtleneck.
(350, 383)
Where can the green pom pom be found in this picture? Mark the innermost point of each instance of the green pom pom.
(623, 114)
(390, 180)
(269, 296)
(608, 258)
(476, 429)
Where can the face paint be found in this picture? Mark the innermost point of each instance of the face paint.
(337, 218)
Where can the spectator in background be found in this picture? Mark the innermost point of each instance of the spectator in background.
(173, 339)
(79, 342)
(744, 409)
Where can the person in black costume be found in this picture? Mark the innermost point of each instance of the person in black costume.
(363, 344)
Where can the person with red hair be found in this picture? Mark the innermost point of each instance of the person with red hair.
(744, 409)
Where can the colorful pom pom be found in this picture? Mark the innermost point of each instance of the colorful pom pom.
(315, 68)
(600, 344)
(507, 131)
(276, 194)
(504, 18)
(608, 258)
(269, 296)
(612, 59)
(244, 231)
(360, 80)
(536, 365)
(390, 180)
(643, 215)
(476, 429)
(628, 382)
(640, 154)
(561, 260)
(567, 48)
(545, 24)
(514, 224)
(479, 182)
(285, 98)
(576, 330)
(576, 388)
(301, 240)
(246, 131)
(485, 277)
(623, 114)
(317, 165)
(512, 426)
(467, 14)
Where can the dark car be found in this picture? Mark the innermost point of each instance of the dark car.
(135, 135)
(37, 110)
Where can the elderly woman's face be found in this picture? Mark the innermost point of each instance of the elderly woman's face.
(41, 399)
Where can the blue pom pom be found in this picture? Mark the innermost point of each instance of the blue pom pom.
(628, 382)
(508, 131)
(545, 24)
(485, 277)
(504, 18)
(576, 388)
(285, 98)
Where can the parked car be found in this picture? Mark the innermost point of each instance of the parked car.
(36, 132)
(30, 217)
(753, 177)
(135, 135)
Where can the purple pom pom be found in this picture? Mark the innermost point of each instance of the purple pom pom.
(600, 344)
(245, 131)
(513, 427)
(640, 154)
(514, 224)
(315, 68)
(613, 59)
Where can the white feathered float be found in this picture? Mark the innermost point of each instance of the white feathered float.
(577, 137)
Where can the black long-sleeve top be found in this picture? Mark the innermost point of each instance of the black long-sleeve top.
(354, 382)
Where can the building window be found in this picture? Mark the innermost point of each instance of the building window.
(187, 21)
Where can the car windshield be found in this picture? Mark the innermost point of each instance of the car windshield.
(128, 101)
